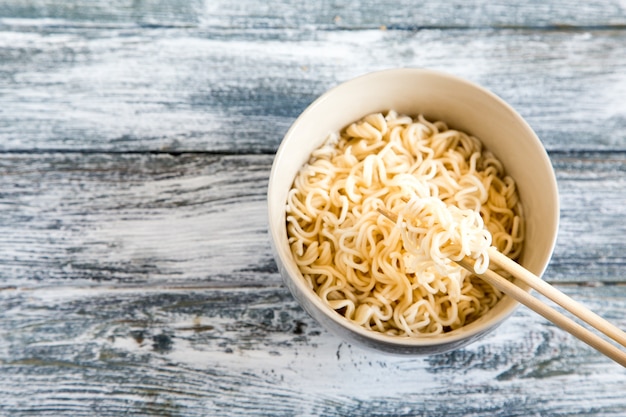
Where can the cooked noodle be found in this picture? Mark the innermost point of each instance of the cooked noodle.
(451, 198)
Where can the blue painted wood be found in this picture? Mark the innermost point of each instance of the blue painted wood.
(231, 351)
(136, 139)
(67, 87)
(147, 219)
(326, 14)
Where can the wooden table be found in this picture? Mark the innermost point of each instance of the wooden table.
(136, 140)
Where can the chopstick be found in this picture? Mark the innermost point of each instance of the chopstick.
(557, 296)
(548, 312)
(522, 274)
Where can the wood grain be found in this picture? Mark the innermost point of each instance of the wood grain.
(235, 351)
(135, 218)
(159, 218)
(123, 88)
(592, 189)
(325, 14)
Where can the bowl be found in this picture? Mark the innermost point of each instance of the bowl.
(463, 106)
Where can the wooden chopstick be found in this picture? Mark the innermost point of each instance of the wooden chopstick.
(538, 306)
(557, 296)
(550, 313)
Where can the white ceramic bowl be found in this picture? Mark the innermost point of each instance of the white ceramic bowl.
(463, 106)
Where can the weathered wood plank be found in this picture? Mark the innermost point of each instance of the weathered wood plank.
(592, 189)
(325, 14)
(204, 351)
(133, 218)
(187, 89)
(159, 218)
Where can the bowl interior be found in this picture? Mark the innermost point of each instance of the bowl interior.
(463, 106)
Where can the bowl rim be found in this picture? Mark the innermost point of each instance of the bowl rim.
(289, 271)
